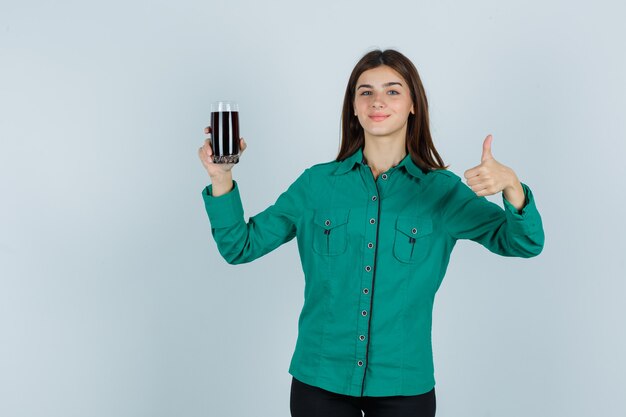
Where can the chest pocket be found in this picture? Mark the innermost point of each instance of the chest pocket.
(413, 238)
(330, 231)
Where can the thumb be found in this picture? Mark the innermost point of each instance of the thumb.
(487, 149)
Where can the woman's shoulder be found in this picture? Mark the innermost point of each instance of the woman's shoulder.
(443, 181)
(315, 174)
(443, 174)
(324, 168)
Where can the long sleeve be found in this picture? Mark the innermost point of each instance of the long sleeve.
(241, 242)
(507, 232)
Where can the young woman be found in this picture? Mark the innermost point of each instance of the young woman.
(375, 229)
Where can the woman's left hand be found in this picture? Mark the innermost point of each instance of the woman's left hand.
(491, 177)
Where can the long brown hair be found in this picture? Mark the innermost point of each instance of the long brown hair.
(419, 142)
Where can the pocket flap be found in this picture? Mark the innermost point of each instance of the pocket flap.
(331, 218)
(414, 226)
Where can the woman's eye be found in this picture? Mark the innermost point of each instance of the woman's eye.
(392, 92)
(366, 93)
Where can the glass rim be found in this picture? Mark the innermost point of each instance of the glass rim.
(225, 105)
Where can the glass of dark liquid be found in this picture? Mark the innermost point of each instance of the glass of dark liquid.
(225, 132)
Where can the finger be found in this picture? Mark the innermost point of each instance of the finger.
(471, 182)
(204, 157)
(472, 172)
(208, 150)
(487, 191)
(487, 184)
(242, 144)
(207, 130)
(476, 186)
(480, 190)
(487, 148)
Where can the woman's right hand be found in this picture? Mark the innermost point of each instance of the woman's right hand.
(206, 156)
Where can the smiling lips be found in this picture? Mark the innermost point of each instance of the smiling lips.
(378, 117)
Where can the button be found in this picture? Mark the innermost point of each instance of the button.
(327, 222)
(368, 268)
(361, 338)
(370, 245)
(384, 176)
(365, 291)
(372, 221)
(364, 313)
(374, 198)
(360, 363)
(414, 230)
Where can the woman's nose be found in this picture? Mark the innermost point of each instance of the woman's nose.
(378, 102)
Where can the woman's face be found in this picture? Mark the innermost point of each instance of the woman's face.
(382, 102)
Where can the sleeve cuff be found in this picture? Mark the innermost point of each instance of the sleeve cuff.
(526, 219)
(225, 210)
(528, 199)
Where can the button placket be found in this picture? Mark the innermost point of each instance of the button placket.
(362, 331)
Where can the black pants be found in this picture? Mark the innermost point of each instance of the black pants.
(309, 401)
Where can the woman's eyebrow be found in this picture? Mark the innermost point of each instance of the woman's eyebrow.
(384, 85)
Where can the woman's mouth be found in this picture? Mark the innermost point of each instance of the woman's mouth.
(378, 117)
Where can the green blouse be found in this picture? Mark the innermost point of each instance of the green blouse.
(374, 253)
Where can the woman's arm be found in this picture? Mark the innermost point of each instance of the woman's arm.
(508, 232)
(222, 184)
(239, 241)
(515, 231)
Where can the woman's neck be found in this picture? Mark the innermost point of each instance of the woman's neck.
(382, 153)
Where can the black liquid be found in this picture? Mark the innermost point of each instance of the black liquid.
(225, 136)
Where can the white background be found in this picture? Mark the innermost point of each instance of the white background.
(113, 298)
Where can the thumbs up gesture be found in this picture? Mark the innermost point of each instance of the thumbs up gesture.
(491, 177)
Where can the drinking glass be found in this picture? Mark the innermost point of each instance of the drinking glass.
(225, 132)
